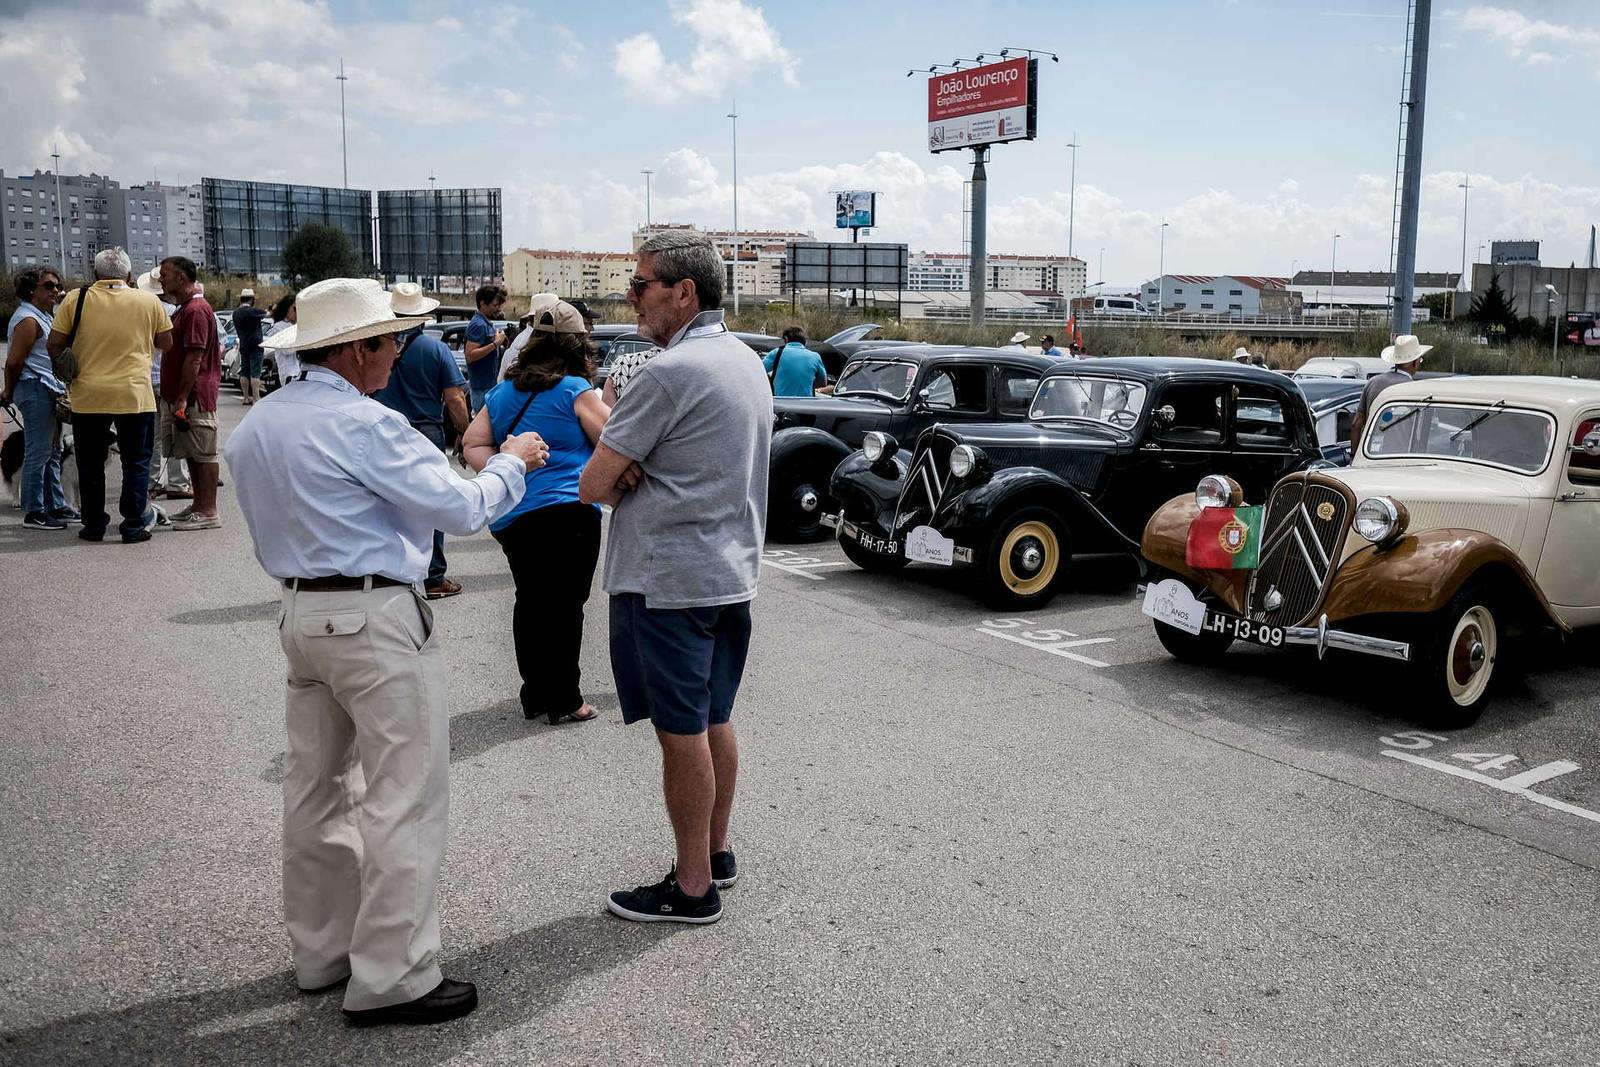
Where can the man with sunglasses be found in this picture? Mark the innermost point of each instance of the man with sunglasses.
(683, 463)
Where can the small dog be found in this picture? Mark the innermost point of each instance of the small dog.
(11, 462)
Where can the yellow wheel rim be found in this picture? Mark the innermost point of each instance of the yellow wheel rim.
(1028, 536)
(1470, 655)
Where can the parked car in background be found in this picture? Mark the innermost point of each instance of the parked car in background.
(1357, 367)
(454, 336)
(1104, 444)
(1333, 403)
(899, 391)
(1470, 516)
(618, 346)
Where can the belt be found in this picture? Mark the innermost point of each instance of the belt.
(340, 581)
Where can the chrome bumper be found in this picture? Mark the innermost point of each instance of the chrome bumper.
(849, 529)
(830, 521)
(1323, 639)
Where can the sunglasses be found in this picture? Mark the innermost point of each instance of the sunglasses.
(51, 287)
(639, 285)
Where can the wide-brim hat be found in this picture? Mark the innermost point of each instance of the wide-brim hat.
(243, 293)
(406, 298)
(1018, 337)
(1241, 355)
(149, 281)
(1406, 348)
(341, 310)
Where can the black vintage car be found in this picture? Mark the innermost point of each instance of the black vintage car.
(1105, 444)
(898, 390)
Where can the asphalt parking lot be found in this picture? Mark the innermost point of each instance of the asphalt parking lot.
(963, 837)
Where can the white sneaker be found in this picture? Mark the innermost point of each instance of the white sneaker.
(196, 521)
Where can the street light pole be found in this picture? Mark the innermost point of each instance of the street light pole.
(1161, 274)
(1102, 265)
(61, 241)
(1555, 323)
(734, 115)
(344, 143)
(647, 174)
(1333, 267)
(1072, 191)
(1466, 181)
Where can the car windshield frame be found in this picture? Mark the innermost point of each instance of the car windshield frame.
(839, 388)
(1471, 409)
(1084, 379)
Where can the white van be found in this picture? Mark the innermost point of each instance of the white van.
(1119, 305)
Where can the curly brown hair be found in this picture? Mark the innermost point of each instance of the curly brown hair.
(550, 357)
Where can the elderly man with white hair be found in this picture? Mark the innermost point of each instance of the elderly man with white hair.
(342, 497)
(112, 329)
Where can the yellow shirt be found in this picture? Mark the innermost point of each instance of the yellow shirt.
(113, 346)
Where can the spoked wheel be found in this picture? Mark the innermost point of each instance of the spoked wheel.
(1029, 555)
(1457, 668)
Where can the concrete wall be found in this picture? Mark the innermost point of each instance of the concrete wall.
(1579, 287)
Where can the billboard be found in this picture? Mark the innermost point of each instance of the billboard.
(248, 224)
(854, 210)
(983, 105)
(440, 233)
(825, 264)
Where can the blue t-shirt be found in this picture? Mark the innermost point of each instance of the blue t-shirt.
(418, 381)
(553, 415)
(800, 370)
(37, 366)
(483, 371)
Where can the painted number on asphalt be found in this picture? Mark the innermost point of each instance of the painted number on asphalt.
(796, 563)
(1054, 641)
(1406, 744)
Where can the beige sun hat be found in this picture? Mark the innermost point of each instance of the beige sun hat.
(406, 299)
(338, 310)
(251, 293)
(1241, 355)
(1406, 348)
(564, 318)
(1018, 337)
(149, 281)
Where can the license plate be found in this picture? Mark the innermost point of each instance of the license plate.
(1244, 629)
(887, 546)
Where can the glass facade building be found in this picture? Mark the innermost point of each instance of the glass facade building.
(447, 237)
(248, 224)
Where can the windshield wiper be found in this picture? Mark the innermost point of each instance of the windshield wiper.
(1494, 410)
(1425, 400)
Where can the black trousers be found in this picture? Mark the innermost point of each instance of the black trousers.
(552, 551)
(92, 441)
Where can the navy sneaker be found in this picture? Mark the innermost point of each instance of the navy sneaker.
(67, 515)
(724, 869)
(38, 520)
(664, 902)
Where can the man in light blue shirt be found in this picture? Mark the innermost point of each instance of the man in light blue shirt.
(795, 370)
(342, 497)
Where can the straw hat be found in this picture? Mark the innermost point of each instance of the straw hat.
(247, 294)
(149, 281)
(1241, 355)
(339, 310)
(406, 298)
(1018, 337)
(1405, 349)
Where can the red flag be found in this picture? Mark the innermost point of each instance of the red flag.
(1072, 330)
(1224, 539)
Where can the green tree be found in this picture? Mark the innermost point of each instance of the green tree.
(318, 251)
(1438, 305)
(1493, 311)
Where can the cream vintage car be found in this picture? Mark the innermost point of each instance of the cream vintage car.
(1470, 514)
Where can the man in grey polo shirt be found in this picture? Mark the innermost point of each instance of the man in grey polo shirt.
(683, 463)
(1405, 356)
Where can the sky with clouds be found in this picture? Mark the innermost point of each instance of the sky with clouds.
(1256, 128)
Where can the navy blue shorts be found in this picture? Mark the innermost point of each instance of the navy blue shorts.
(678, 667)
(250, 363)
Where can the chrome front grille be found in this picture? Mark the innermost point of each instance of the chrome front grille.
(1300, 546)
(925, 483)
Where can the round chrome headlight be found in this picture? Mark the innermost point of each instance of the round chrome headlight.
(1218, 491)
(878, 445)
(1380, 518)
(963, 460)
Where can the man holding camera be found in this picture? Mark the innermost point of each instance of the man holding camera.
(484, 342)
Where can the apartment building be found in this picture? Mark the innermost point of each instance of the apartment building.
(35, 232)
(1063, 276)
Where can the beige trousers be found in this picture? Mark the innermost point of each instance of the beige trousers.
(366, 791)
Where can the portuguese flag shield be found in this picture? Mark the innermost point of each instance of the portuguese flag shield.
(1223, 539)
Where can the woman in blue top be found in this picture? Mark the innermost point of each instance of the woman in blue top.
(551, 541)
(30, 380)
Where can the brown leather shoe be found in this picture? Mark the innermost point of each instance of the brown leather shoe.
(445, 587)
(449, 1000)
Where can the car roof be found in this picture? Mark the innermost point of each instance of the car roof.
(923, 353)
(1164, 368)
(1535, 391)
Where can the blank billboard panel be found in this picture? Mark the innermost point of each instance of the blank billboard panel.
(248, 224)
(823, 264)
(433, 233)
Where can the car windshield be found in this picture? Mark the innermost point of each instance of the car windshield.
(1501, 436)
(1082, 396)
(877, 378)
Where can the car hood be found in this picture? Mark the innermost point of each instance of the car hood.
(806, 410)
(1446, 495)
(1015, 434)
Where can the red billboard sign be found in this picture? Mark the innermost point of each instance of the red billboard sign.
(981, 105)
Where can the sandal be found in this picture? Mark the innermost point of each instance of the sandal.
(555, 717)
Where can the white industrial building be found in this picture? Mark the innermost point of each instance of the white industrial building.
(1326, 293)
(1061, 276)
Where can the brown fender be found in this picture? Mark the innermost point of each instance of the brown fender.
(1420, 574)
(1165, 537)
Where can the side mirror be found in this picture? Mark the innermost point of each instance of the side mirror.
(1166, 414)
(922, 399)
(1591, 442)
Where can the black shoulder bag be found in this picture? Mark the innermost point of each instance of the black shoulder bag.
(65, 363)
(772, 375)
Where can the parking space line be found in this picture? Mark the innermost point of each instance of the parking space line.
(788, 569)
(1514, 785)
(1055, 648)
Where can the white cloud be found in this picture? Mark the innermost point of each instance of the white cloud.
(570, 54)
(1532, 40)
(731, 38)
